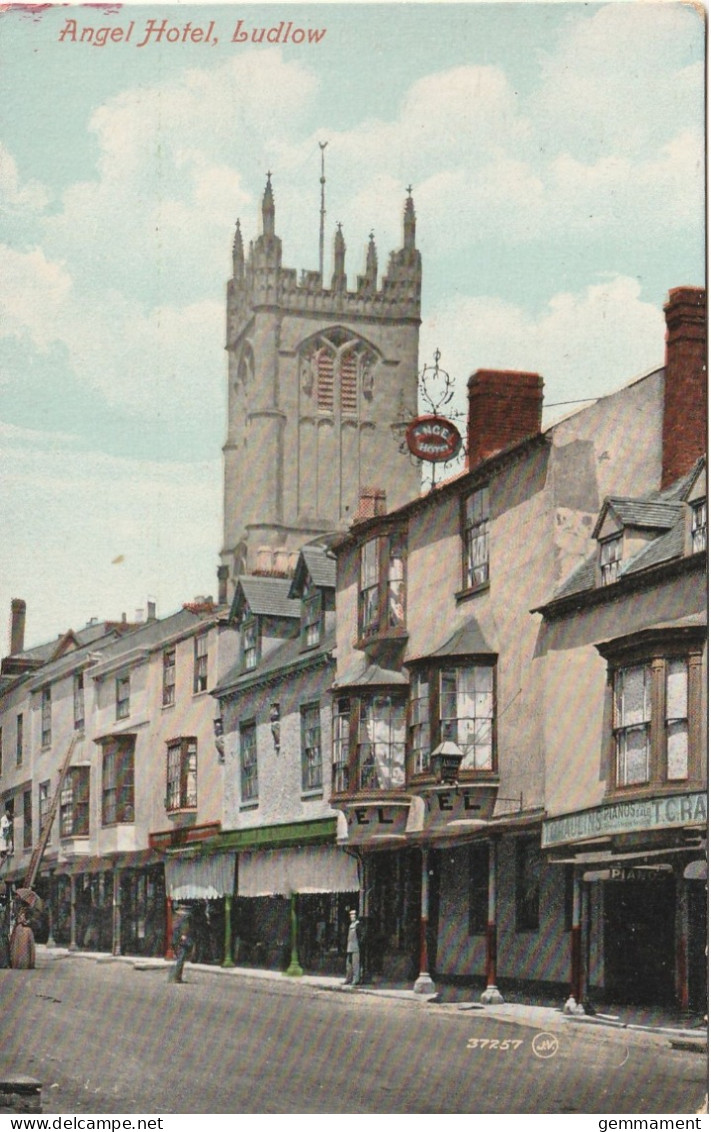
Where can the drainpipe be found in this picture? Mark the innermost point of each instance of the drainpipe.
(228, 961)
(423, 982)
(492, 994)
(574, 1004)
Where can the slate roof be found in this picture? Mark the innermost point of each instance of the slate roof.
(153, 634)
(316, 558)
(266, 595)
(286, 658)
(362, 674)
(655, 515)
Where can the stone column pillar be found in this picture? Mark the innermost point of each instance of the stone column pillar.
(294, 970)
(492, 994)
(72, 913)
(574, 1004)
(423, 982)
(228, 961)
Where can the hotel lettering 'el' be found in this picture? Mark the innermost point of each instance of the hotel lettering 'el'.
(478, 715)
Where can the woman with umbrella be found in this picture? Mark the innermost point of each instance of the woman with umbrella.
(22, 940)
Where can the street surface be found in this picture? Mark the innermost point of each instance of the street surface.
(103, 1037)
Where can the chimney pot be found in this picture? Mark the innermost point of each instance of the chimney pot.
(685, 420)
(371, 502)
(18, 610)
(505, 407)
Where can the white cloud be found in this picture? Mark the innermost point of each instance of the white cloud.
(19, 196)
(582, 344)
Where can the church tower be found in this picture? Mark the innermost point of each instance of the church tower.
(321, 381)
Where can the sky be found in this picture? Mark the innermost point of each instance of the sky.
(556, 157)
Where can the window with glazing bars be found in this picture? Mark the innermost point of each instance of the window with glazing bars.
(181, 791)
(632, 716)
(340, 733)
(249, 777)
(200, 672)
(311, 760)
(476, 538)
(698, 526)
(74, 803)
(123, 697)
(117, 788)
(46, 717)
(169, 677)
(79, 701)
(610, 559)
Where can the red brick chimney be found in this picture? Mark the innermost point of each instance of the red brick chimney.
(684, 428)
(505, 407)
(371, 502)
(18, 609)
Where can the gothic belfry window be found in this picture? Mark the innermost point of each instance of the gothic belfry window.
(341, 369)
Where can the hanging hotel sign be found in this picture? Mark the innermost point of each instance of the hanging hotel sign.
(433, 438)
(626, 817)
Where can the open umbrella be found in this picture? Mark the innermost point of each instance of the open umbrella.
(29, 897)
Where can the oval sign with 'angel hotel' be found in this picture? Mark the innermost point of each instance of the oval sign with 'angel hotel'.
(433, 438)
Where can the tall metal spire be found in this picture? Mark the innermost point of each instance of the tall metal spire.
(268, 208)
(322, 147)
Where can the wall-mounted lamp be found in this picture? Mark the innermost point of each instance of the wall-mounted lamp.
(219, 738)
(275, 721)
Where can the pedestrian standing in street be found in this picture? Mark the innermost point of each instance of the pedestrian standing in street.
(183, 944)
(22, 942)
(353, 972)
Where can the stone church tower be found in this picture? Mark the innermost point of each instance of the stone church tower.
(321, 381)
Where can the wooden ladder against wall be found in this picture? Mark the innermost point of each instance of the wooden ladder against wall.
(38, 851)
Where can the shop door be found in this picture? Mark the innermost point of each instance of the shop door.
(392, 931)
(639, 941)
(698, 938)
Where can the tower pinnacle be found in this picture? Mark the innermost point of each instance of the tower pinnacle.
(339, 260)
(268, 208)
(409, 222)
(238, 253)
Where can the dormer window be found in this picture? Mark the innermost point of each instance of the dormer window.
(381, 595)
(250, 642)
(311, 617)
(610, 559)
(698, 526)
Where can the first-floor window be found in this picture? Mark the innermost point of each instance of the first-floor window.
(123, 696)
(46, 717)
(528, 884)
(117, 802)
(169, 677)
(311, 761)
(74, 803)
(632, 722)
(79, 701)
(420, 742)
(44, 788)
(676, 719)
(340, 733)
(27, 819)
(478, 888)
(466, 705)
(381, 743)
(249, 777)
(182, 774)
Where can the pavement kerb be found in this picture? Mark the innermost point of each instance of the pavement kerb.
(537, 1017)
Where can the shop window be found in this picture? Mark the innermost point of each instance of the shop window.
(74, 803)
(200, 664)
(169, 677)
(340, 741)
(476, 538)
(610, 560)
(44, 802)
(311, 760)
(528, 884)
(478, 888)
(27, 819)
(381, 743)
(181, 793)
(79, 701)
(19, 739)
(46, 717)
(117, 788)
(249, 777)
(698, 526)
(381, 596)
(123, 696)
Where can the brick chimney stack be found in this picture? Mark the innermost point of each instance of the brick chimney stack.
(685, 408)
(505, 407)
(371, 502)
(18, 609)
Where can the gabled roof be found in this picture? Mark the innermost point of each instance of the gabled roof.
(264, 596)
(642, 513)
(318, 562)
(467, 640)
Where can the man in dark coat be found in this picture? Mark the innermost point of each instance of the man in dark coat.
(183, 944)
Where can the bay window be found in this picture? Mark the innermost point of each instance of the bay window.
(74, 803)
(381, 743)
(632, 722)
(455, 703)
(381, 592)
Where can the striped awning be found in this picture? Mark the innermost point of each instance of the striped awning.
(309, 869)
(200, 878)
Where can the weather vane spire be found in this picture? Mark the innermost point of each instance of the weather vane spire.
(322, 147)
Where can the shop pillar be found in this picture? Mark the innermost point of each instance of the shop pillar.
(228, 961)
(294, 970)
(169, 953)
(682, 942)
(50, 910)
(116, 913)
(423, 982)
(492, 995)
(72, 913)
(574, 1004)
